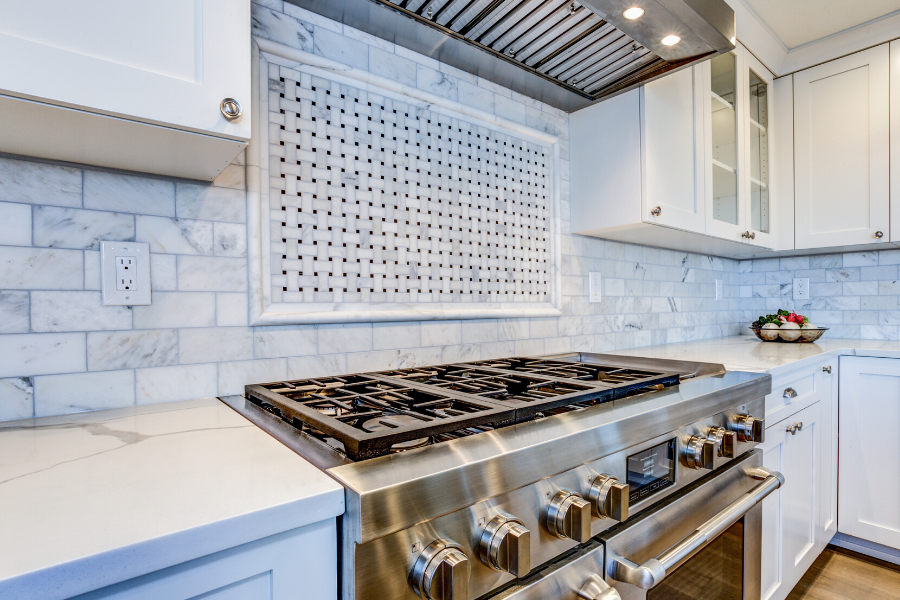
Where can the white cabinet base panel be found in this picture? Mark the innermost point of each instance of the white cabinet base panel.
(295, 565)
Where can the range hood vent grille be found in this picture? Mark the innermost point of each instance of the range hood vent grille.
(559, 39)
(584, 49)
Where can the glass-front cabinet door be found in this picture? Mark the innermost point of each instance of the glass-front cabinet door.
(724, 137)
(756, 186)
(737, 117)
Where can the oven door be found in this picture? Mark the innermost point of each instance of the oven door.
(702, 544)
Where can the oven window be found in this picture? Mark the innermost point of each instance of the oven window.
(714, 573)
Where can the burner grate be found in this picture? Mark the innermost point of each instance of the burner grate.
(623, 381)
(528, 393)
(371, 416)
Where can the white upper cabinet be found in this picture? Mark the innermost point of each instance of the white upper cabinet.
(895, 141)
(673, 175)
(841, 151)
(101, 81)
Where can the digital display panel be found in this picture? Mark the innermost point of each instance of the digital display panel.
(651, 470)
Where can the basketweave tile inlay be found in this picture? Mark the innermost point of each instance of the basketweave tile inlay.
(377, 200)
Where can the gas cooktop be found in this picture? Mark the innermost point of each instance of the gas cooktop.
(373, 414)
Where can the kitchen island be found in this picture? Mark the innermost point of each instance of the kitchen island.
(94, 499)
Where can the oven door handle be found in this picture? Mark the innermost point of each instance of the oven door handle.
(653, 571)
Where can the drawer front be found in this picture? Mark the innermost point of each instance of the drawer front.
(795, 391)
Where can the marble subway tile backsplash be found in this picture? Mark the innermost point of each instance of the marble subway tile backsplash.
(856, 295)
(61, 351)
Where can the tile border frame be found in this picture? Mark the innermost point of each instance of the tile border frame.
(262, 311)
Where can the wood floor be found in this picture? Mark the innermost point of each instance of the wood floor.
(841, 575)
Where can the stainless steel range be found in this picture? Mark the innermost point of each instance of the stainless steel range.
(576, 476)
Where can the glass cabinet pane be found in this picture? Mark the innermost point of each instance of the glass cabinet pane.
(759, 154)
(724, 138)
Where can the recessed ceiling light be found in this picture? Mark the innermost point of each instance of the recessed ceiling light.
(671, 40)
(633, 13)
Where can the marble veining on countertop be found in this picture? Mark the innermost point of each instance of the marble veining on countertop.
(747, 353)
(92, 499)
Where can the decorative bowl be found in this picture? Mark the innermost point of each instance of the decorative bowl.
(807, 335)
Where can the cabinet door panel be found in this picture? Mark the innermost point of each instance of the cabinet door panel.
(869, 483)
(170, 62)
(773, 586)
(669, 131)
(841, 117)
(895, 141)
(801, 493)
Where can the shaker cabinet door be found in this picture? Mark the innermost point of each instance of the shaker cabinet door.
(841, 151)
(790, 515)
(672, 191)
(169, 62)
(869, 450)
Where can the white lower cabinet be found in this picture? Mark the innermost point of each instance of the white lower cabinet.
(869, 486)
(300, 564)
(801, 518)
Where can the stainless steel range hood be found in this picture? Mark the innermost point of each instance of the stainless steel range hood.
(566, 53)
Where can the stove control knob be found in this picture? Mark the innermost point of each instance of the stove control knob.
(597, 589)
(441, 572)
(569, 516)
(724, 440)
(609, 498)
(699, 453)
(750, 429)
(506, 545)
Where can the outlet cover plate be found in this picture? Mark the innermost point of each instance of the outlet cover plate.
(595, 287)
(719, 289)
(109, 252)
(801, 288)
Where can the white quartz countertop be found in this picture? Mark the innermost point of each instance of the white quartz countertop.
(747, 353)
(93, 499)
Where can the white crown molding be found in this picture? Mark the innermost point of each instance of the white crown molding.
(866, 35)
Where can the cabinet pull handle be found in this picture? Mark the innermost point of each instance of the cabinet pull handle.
(789, 393)
(879, 235)
(231, 109)
(656, 211)
(827, 369)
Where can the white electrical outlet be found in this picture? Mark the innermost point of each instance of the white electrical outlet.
(801, 288)
(125, 273)
(595, 287)
(719, 289)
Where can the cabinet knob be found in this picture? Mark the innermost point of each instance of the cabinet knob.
(231, 109)
(750, 235)
(879, 235)
(656, 211)
(827, 369)
(794, 428)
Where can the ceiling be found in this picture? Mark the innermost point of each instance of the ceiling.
(797, 22)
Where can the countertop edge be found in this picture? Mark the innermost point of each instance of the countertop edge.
(62, 581)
